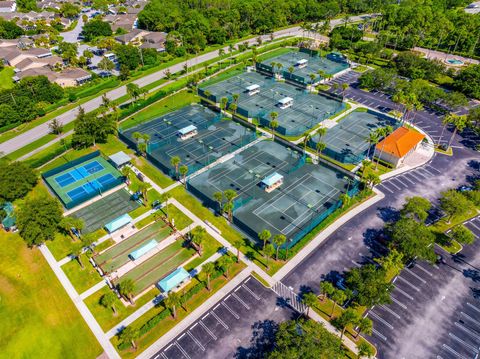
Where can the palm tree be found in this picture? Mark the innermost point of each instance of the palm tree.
(320, 146)
(172, 302)
(221, 52)
(291, 69)
(372, 179)
(373, 139)
(164, 198)
(208, 269)
(238, 244)
(385, 131)
(338, 296)
(129, 334)
(344, 89)
(322, 74)
(366, 165)
(269, 250)
(77, 254)
(126, 288)
(364, 350)
(175, 161)
(273, 125)
(279, 66)
(143, 187)
(278, 240)
(312, 78)
(183, 171)
(264, 236)
(235, 97)
(207, 94)
(326, 288)
(127, 173)
(310, 300)
(230, 195)
(233, 107)
(69, 224)
(198, 234)
(108, 301)
(218, 197)
(228, 208)
(364, 325)
(349, 316)
(223, 103)
(224, 263)
(345, 198)
(459, 123)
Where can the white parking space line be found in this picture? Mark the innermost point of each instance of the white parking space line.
(380, 335)
(428, 173)
(407, 179)
(241, 301)
(208, 331)
(470, 319)
(415, 275)
(220, 321)
(423, 269)
(231, 311)
(251, 292)
(183, 351)
(355, 263)
(164, 355)
(395, 300)
(418, 173)
(408, 283)
(417, 176)
(393, 184)
(433, 169)
(446, 347)
(196, 341)
(380, 319)
(397, 289)
(467, 331)
(471, 347)
(474, 225)
(392, 312)
(473, 307)
(385, 187)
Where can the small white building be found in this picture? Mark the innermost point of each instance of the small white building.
(397, 146)
(252, 90)
(272, 182)
(187, 132)
(285, 103)
(301, 63)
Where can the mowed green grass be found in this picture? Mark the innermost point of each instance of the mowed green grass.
(38, 318)
(6, 81)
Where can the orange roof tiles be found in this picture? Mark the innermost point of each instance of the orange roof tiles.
(400, 142)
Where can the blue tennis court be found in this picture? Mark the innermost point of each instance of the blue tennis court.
(78, 173)
(94, 186)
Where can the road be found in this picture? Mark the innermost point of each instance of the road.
(67, 117)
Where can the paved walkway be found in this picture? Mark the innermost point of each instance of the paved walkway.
(93, 289)
(82, 308)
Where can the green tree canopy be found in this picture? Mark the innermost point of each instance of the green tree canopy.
(416, 208)
(16, 180)
(412, 239)
(369, 285)
(96, 28)
(38, 220)
(90, 129)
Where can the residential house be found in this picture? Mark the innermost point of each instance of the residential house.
(70, 77)
(144, 39)
(8, 6)
(13, 56)
(32, 63)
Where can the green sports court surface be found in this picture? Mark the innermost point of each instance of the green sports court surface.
(314, 65)
(82, 181)
(347, 141)
(105, 210)
(216, 137)
(306, 112)
(308, 194)
(158, 266)
(118, 255)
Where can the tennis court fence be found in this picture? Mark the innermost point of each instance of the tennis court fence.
(70, 164)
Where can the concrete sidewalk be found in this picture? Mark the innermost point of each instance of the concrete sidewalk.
(82, 308)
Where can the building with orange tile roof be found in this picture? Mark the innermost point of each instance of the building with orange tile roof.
(398, 145)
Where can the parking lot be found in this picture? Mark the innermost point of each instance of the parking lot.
(435, 309)
(226, 328)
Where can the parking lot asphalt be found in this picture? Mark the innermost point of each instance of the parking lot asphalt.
(236, 326)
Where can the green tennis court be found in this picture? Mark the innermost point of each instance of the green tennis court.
(105, 210)
(82, 179)
(155, 268)
(118, 255)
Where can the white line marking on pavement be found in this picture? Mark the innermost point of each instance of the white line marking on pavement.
(206, 315)
(183, 351)
(403, 292)
(445, 346)
(196, 341)
(380, 319)
(467, 331)
(209, 331)
(385, 187)
(251, 292)
(463, 342)
(423, 269)
(470, 318)
(231, 311)
(395, 300)
(415, 175)
(193, 326)
(181, 336)
(390, 311)
(416, 276)
(164, 355)
(355, 263)
(408, 179)
(394, 184)
(473, 307)
(408, 283)
(380, 335)
(241, 301)
(220, 321)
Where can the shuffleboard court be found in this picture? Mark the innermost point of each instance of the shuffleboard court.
(347, 141)
(214, 137)
(118, 255)
(308, 192)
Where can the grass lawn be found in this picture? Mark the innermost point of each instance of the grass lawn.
(81, 278)
(38, 318)
(210, 246)
(6, 81)
(105, 316)
(168, 323)
(61, 246)
(152, 172)
(159, 108)
(181, 219)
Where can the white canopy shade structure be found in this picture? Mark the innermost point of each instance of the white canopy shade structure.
(285, 102)
(187, 132)
(301, 63)
(252, 89)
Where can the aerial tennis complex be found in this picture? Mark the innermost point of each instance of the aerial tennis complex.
(348, 140)
(259, 95)
(278, 189)
(196, 134)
